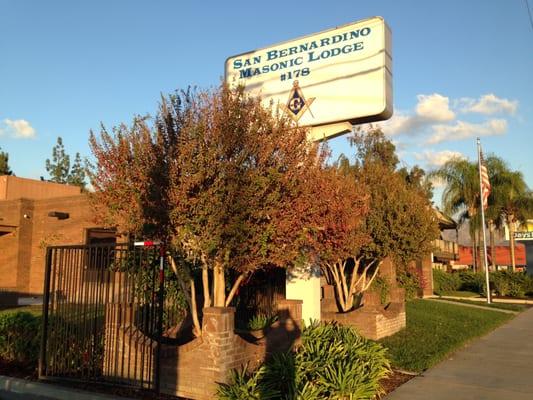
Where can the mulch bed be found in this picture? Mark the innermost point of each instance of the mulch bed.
(395, 380)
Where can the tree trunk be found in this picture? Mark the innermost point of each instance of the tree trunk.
(205, 285)
(491, 238)
(234, 289)
(190, 298)
(510, 223)
(474, 252)
(219, 285)
(197, 330)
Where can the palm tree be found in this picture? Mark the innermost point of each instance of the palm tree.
(511, 199)
(461, 194)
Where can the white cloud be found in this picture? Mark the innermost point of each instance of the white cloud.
(464, 130)
(434, 108)
(435, 159)
(488, 104)
(18, 128)
(430, 109)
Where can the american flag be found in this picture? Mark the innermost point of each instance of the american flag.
(485, 183)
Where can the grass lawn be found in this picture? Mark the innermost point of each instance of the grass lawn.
(460, 293)
(435, 329)
(500, 306)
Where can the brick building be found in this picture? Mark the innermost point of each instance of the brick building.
(35, 214)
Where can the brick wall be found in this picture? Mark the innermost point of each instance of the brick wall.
(22, 251)
(193, 370)
(53, 231)
(373, 319)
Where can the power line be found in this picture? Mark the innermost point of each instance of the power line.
(529, 13)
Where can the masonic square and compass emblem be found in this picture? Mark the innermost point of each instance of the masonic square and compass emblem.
(297, 105)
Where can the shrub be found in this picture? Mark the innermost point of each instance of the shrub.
(19, 337)
(246, 385)
(445, 282)
(411, 282)
(473, 281)
(513, 284)
(332, 362)
(261, 321)
(381, 286)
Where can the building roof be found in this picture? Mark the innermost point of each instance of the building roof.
(13, 188)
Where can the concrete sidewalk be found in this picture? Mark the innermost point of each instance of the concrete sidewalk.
(497, 366)
(21, 389)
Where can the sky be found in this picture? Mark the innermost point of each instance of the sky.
(461, 69)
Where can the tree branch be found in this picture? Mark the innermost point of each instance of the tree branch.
(234, 288)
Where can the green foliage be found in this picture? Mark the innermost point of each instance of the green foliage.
(512, 284)
(445, 282)
(332, 362)
(19, 337)
(77, 173)
(473, 282)
(261, 321)
(435, 329)
(59, 167)
(504, 283)
(4, 163)
(400, 221)
(381, 285)
(410, 282)
(246, 385)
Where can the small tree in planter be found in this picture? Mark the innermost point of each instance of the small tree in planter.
(399, 223)
(217, 177)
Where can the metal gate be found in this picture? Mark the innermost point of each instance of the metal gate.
(104, 312)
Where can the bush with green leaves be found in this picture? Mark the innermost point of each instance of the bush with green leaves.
(410, 281)
(381, 286)
(332, 362)
(19, 337)
(261, 321)
(512, 284)
(445, 282)
(473, 282)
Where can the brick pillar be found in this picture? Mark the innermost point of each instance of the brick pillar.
(218, 325)
(425, 270)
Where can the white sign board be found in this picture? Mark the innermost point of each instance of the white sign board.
(342, 74)
(523, 235)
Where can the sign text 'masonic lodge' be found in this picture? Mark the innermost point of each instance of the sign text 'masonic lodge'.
(305, 52)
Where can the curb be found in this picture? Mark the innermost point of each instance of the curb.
(23, 389)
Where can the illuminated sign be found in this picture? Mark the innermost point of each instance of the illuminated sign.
(339, 75)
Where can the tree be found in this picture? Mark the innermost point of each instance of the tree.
(219, 179)
(461, 194)
(4, 163)
(510, 201)
(59, 167)
(60, 170)
(399, 222)
(77, 173)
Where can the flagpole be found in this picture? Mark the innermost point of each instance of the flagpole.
(487, 281)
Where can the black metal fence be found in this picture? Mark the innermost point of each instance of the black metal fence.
(104, 314)
(108, 308)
